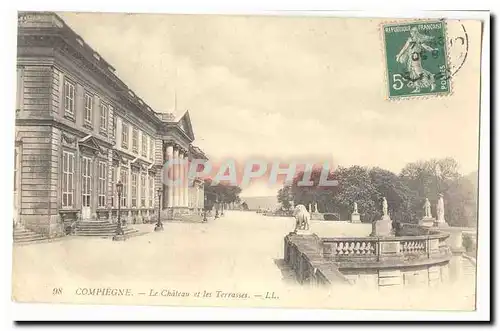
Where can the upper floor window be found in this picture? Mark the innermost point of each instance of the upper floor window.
(104, 118)
(135, 138)
(151, 148)
(114, 127)
(124, 135)
(89, 104)
(144, 143)
(69, 98)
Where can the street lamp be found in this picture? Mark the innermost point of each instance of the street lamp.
(159, 224)
(119, 235)
(217, 207)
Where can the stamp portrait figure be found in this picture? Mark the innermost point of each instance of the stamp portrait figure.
(411, 56)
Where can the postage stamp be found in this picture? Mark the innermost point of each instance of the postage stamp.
(416, 59)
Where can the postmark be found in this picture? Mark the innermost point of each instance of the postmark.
(417, 59)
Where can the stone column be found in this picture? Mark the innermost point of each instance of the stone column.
(182, 179)
(186, 180)
(170, 189)
(175, 173)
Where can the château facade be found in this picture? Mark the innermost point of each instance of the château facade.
(80, 130)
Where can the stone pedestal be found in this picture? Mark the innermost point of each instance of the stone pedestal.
(382, 228)
(355, 218)
(427, 221)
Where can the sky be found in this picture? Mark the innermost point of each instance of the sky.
(286, 87)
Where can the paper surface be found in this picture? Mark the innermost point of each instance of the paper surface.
(367, 92)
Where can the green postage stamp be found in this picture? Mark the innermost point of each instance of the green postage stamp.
(416, 59)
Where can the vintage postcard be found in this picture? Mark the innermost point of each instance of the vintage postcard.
(285, 161)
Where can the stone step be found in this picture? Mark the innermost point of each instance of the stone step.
(22, 235)
(26, 235)
(30, 239)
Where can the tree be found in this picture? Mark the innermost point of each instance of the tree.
(284, 196)
(355, 186)
(427, 179)
(394, 189)
(221, 194)
(316, 193)
(461, 203)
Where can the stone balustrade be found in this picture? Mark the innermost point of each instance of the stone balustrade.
(418, 255)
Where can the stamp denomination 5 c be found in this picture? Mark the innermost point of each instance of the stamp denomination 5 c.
(416, 58)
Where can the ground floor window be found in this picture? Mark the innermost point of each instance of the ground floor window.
(86, 181)
(134, 189)
(124, 180)
(68, 168)
(143, 190)
(113, 186)
(151, 190)
(102, 184)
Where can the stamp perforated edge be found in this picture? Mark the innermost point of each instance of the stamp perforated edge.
(384, 55)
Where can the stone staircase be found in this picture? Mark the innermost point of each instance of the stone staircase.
(22, 235)
(98, 228)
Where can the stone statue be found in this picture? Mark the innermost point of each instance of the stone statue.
(315, 207)
(440, 208)
(302, 218)
(384, 207)
(427, 209)
(355, 208)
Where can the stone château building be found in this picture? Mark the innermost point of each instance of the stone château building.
(80, 129)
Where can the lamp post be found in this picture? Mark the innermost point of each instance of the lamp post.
(217, 206)
(119, 235)
(159, 224)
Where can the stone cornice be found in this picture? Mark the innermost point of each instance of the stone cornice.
(62, 126)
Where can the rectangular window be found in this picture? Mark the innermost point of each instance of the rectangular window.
(143, 190)
(104, 118)
(89, 104)
(124, 135)
(144, 141)
(86, 181)
(114, 127)
(135, 143)
(69, 98)
(102, 185)
(68, 168)
(113, 186)
(151, 190)
(124, 180)
(151, 148)
(134, 189)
